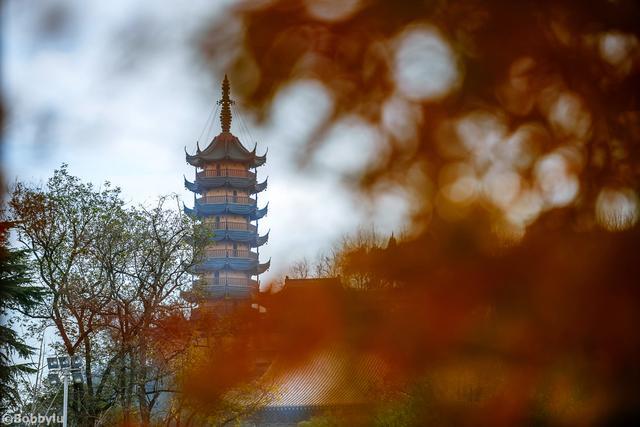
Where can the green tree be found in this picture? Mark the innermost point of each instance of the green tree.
(16, 295)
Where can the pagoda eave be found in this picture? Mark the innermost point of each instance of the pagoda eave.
(226, 146)
(250, 238)
(201, 185)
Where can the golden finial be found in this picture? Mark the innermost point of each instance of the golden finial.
(225, 102)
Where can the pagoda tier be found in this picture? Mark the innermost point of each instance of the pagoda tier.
(202, 184)
(208, 209)
(220, 288)
(238, 289)
(246, 265)
(226, 187)
(226, 146)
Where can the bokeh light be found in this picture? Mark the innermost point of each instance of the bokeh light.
(617, 209)
(425, 66)
(619, 50)
(332, 10)
(558, 185)
(568, 117)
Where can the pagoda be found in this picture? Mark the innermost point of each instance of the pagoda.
(225, 198)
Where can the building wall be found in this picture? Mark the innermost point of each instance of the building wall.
(225, 164)
(226, 217)
(226, 192)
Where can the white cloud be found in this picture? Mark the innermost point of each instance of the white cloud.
(113, 115)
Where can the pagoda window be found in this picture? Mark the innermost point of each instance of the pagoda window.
(235, 249)
(216, 278)
(235, 196)
(218, 169)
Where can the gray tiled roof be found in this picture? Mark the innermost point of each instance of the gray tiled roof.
(329, 377)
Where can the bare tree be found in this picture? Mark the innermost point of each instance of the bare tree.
(337, 261)
(146, 258)
(300, 269)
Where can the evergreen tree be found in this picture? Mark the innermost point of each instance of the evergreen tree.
(16, 294)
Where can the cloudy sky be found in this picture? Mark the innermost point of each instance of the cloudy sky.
(117, 90)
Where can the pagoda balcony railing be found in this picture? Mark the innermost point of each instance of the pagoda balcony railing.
(232, 281)
(241, 200)
(232, 225)
(225, 172)
(231, 253)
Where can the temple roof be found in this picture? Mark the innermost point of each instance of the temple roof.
(332, 376)
(226, 146)
(329, 377)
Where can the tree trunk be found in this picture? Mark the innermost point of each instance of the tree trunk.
(143, 402)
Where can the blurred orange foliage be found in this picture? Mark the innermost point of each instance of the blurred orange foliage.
(514, 128)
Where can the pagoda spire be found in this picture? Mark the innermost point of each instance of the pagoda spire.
(226, 103)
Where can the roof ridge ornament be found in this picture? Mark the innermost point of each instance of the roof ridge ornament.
(226, 102)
